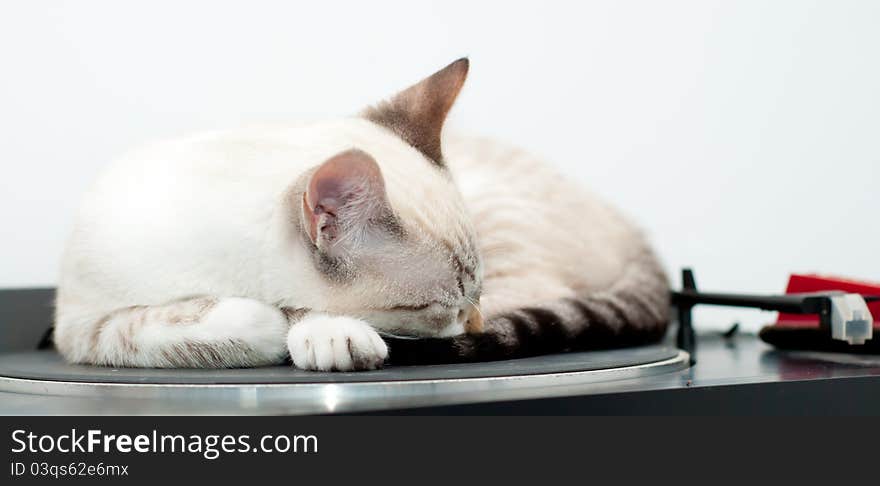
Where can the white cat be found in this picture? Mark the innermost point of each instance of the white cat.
(235, 248)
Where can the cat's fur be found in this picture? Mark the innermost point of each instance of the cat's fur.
(235, 248)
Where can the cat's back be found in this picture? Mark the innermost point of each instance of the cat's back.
(203, 162)
(159, 219)
(531, 218)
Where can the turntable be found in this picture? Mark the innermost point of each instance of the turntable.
(693, 373)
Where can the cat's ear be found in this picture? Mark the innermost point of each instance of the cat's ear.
(344, 199)
(417, 113)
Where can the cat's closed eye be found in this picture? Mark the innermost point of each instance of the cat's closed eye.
(410, 307)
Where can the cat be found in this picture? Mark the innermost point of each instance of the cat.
(313, 241)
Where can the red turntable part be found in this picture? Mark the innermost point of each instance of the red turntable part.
(803, 283)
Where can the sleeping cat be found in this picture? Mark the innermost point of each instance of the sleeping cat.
(241, 248)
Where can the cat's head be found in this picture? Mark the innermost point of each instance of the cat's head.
(386, 225)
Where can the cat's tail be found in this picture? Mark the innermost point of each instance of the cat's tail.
(632, 311)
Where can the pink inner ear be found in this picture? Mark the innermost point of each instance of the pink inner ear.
(351, 177)
(310, 220)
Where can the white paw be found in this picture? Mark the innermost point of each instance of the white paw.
(335, 343)
(259, 326)
(247, 316)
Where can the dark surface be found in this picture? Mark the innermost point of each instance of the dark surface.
(816, 339)
(47, 365)
(25, 316)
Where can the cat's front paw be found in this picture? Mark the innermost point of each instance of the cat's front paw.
(335, 343)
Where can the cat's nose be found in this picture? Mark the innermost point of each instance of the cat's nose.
(474, 322)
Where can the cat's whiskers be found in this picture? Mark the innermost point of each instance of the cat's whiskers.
(476, 306)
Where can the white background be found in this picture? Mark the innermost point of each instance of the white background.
(744, 136)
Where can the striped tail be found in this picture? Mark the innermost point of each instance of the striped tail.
(633, 311)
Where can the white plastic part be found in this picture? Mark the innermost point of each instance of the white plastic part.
(850, 319)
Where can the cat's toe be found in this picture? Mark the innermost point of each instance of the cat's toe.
(366, 349)
(300, 347)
